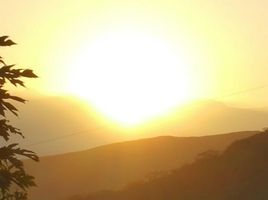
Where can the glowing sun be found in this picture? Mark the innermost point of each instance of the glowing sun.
(130, 76)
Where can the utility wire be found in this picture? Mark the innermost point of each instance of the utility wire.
(241, 92)
(60, 137)
(86, 130)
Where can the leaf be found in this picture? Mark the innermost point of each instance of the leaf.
(4, 41)
(2, 110)
(12, 145)
(7, 67)
(17, 82)
(29, 73)
(2, 81)
(5, 178)
(10, 107)
(1, 61)
(18, 99)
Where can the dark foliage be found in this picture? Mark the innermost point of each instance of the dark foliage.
(240, 172)
(14, 181)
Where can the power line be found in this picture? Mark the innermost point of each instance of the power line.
(241, 92)
(59, 137)
(86, 130)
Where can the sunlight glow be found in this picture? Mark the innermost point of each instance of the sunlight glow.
(130, 76)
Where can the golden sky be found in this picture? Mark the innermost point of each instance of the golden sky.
(220, 45)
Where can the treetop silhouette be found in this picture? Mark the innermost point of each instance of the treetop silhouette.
(14, 181)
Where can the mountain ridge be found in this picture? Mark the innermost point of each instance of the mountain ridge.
(115, 165)
(239, 172)
(56, 119)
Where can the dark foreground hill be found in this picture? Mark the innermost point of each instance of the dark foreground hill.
(116, 165)
(240, 172)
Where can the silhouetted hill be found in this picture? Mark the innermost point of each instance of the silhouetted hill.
(240, 172)
(114, 166)
(46, 118)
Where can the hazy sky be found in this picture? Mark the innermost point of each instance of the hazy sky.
(224, 42)
(134, 59)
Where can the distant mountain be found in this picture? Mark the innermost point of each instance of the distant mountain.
(240, 172)
(208, 117)
(54, 125)
(116, 165)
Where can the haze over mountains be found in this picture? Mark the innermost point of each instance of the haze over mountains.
(117, 165)
(55, 125)
(64, 129)
(240, 172)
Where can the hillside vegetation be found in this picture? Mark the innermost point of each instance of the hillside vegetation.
(240, 172)
(116, 165)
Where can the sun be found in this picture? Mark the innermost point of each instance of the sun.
(130, 76)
